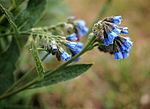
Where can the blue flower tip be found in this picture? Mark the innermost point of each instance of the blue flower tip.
(65, 56)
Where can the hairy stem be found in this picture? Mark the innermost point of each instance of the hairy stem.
(13, 6)
(49, 72)
(15, 91)
(26, 75)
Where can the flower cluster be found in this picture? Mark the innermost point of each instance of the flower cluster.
(110, 33)
(64, 44)
(78, 27)
(55, 48)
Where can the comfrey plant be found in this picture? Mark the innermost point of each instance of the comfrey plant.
(59, 39)
(109, 37)
(62, 40)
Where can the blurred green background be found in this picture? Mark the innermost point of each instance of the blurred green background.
(109, 84)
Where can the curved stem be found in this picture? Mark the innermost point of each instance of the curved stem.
(26, 75)
(18, 90)
(76, 56)
(10, 9)
(36, 79)
(102, 12)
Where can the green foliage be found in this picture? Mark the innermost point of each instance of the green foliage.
(10, 17)
(14, 22)
(7, 66)
(28, 17)
(8, 63)
(12, 106)
(31, 14)
(63, 74)
(39, 66)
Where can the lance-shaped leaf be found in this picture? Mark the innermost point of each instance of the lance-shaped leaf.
(8, 59)
(14, 106)
(31, 14)
(7, 66)
(9, 17)
(37, 60)
(63, 74)
(5, 41)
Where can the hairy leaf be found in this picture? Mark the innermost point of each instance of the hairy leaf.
(7, 66)
(18, 2)
(29, 16)
(37, 60)
(14, 106)
(8, 58)
(9, 17)
(64, 74)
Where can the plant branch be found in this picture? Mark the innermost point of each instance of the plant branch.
(10, 9)
(26, 75)
(86, 48)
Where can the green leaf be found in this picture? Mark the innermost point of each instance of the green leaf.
(18, 2)
(63, 74)
(37, 60)
(9, 17)
(7, 66)
(14, 106)
(31, 14)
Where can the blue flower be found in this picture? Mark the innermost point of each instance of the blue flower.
(82, 29)
(111, 36)
(80, 45)
(111, 32)
(75, 46)
(72, 37)
(65, 56)
(125, 47)
(107, 41)
(116, 20)
(125, 54)
(116, 30)
(124, 30)
(54, 47)
(118, 55)
(71, 45)
(128, 43)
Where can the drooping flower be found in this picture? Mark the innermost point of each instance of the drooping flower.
(76, 47)
(118, 55)
(81, 28)
(65, 56)
(124, 30)
(120, 47)
(54, 48)
(115, 19)
(124, 46)
(72, 37)
(108, 29)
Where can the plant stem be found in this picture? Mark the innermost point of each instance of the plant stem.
(86, 48)
(10, 9)
(18, 90)
(26, 75)
(36, 79)
(76, 56)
